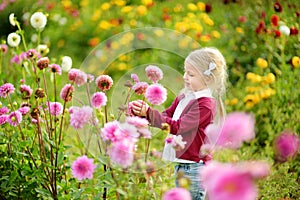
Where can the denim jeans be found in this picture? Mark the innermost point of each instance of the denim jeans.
(191, 171)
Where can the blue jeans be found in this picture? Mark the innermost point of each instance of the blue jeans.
(191, 171)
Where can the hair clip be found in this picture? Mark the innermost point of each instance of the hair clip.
(211, 67)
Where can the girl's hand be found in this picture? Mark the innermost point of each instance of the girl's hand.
(139, 108)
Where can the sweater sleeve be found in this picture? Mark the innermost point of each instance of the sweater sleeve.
(156, 118)
(197, 113)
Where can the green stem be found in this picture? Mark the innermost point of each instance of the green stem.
(126, 101)
(22, 36)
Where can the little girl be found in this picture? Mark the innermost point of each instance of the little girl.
(191, 112)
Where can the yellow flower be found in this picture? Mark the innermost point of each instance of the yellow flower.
(267, 93)
(234, 101)
(178, 8)
(126, 9)
(205, 38)
(66, 3)
(209, 21)
(147, 2)
(270, 78)
(252, 89)
(201, 6)
(216, 34)
(255, 78)
(105, 6)
(114, 45)
(192, 7)
(122, 66)
(159, 32)
(195, 45)
(76, 24)
(262, 63)
(197, 27)
(239, 30)
(251, 100)
(96, 15)
(250, 75)
(104, 25)
(84, 3)
(133, 22)
(123, 58)
(181, 27)
(119, 3)
(142, 10)
(103, 58)
(183, 43)
(190, 16)
(296, 61)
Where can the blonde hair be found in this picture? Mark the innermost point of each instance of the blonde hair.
(201, 59)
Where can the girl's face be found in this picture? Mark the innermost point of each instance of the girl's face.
(193, 79)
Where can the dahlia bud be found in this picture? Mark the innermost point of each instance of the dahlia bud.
(40, 93)
(35, 113)
(43, 63)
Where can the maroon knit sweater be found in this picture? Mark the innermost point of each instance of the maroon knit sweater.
(195, 117)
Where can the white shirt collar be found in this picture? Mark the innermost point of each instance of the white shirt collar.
(203, 93)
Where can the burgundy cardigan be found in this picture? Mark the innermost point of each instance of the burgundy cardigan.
(195, 117)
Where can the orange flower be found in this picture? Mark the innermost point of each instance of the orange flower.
(93, 41)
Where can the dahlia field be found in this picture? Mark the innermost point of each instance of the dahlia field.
(70, 71)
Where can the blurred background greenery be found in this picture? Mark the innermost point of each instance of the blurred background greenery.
(263, 62)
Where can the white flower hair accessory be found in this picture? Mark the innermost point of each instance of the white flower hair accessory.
(211, 67)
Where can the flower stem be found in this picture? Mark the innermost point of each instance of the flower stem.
(22, 35)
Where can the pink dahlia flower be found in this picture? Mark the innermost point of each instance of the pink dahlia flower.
(83, 168)
(238, 127)
(176, 142)
(55, 108)
(257, 169)
(122, 152)
(32, 53)
(156, 94)
(14, 118)
(104, 82)
(127, 131)
(227, 182)
(4, 110)
(26, 91)
(135, 78)
(24, 110)
(77, 76)
(137, 121)
(286, 146)
(108, 131)
(99, 99)
(6, 89)
(177, 194)
(3, 119)
(3, 48)
(140, 88)
(154, 73)
(80, 117)
(66, 92)
(55, 68)
(16, 59)
(90, 78)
